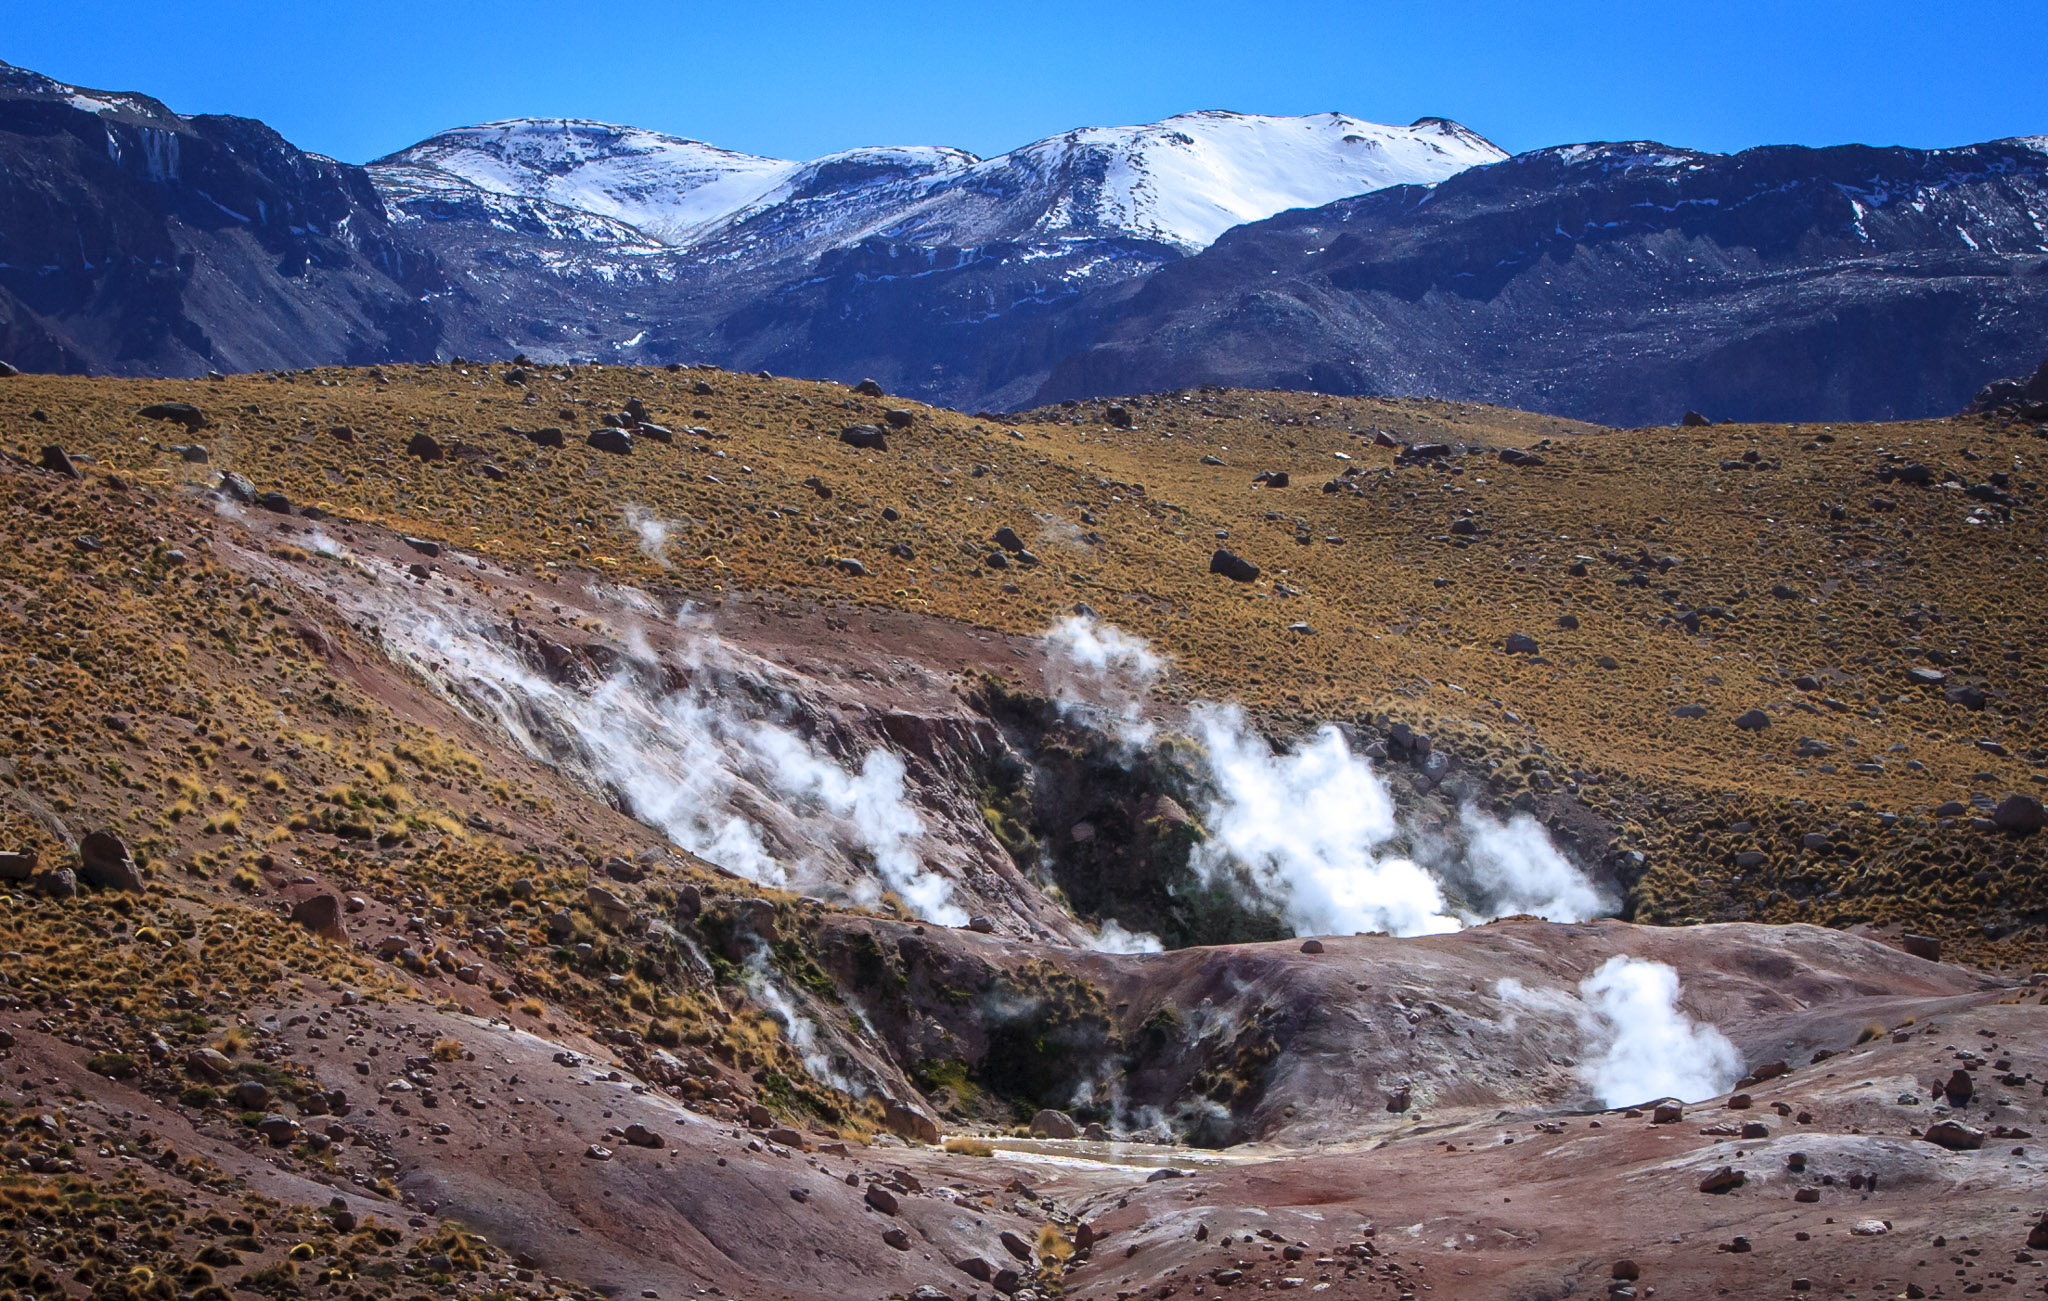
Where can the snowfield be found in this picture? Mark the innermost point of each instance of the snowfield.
(1181, 182)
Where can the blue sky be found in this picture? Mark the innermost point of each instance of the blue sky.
(795, 79)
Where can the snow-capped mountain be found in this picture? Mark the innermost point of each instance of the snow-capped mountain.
(1180, 182)
(582, 239)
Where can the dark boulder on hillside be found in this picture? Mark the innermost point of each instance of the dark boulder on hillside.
(1233, 567)
(180, 413)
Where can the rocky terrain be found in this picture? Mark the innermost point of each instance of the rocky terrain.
(522, 830)
(137, 241)
(1623, 283)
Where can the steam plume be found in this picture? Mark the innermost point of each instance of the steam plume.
(1306, 826)
(710, 772)
(1643, 1046)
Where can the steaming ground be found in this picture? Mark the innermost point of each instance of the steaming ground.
(1310, 830)
(1637, 1045)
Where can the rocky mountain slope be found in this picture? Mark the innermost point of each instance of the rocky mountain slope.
(1619, 283)
(137, 241)
(530, 831)
(922, 266)
(1625, 284)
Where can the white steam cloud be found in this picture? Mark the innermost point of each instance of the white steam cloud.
(1520, 871)
(1647, 1048)
(652, 533)
(1309, 830)
(1638, 1045)
(1101, 674)
(717, 777)
(1111, 937)
(1306, 827)
(799, 1030)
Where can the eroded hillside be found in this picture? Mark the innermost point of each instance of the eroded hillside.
(633, 815)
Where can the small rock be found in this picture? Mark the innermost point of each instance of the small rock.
(865, 437)
(882, 1199)
(1311, 946)
(1754, 720)
(1521, 643)
(616, 441)
(596, 1152)
(426, 447)
(1015, 1245)
(1870, 1228)
(1667, 1113)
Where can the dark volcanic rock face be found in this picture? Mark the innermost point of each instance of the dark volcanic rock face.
(1624, 284)
(136, 241)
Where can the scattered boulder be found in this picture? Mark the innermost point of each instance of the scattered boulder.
(1960, 1088)
(7, 370)
(1754, 720)
(1521, 643)
(178, 413)
(17, 866)
(1054, 1124)
(897, 1238)
(906, 1121)
(868, 388)
(2019, 813)
(209, 1064)
(57, 461)
(1725, 1179)
(1006, 538)
(321, 914)
(1014, 1243)
(1694, 420)
(426, 447)
(868, 438)
(278, 1129)
(1921, 946)
(640, 1136)
(1116, 413)
(1233, 567)
(898, 418)
(1666, 1113)
(1954, 1135)
(1311, 946)
(882, 1199)
(105, 864)
(616, 441)
(975, 1268)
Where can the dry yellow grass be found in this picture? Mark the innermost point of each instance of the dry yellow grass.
(1408, 618)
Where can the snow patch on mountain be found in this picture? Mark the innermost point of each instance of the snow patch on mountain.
(665, 187)
(1181, 182)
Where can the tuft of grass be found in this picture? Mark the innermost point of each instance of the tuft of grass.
(970, 1147)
